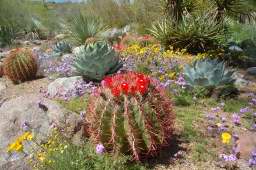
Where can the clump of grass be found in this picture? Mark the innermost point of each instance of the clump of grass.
(234, 105)
(60, 154)
(75, 105)
(191, 118)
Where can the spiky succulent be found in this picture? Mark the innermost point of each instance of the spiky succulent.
(208, 73)
(20, 65)
(130, 114)
(95, 60)
(62, 47)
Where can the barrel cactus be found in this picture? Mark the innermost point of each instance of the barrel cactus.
(95, 60)
(208, 73)
(1, 70)
(130, 114)
(20, 65)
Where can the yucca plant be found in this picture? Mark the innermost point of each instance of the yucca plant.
(196, 33)
(130, 114)
(208, 73)
(95, 60)
(20, 65)
(7, 34)
(82, 27)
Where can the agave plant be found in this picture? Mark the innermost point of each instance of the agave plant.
(95, 60)
(62, 47)
(208, 73)
(83, 27)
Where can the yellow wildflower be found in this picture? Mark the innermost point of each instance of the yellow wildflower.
(19, 147)
(226, 137)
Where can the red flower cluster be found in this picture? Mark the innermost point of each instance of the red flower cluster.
(127, 83)
(118, 47)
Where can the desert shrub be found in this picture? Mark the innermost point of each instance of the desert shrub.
(130, 114)
(59, 154)
(196, 33)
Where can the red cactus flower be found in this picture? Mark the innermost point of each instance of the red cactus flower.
(142, 89)
(107, 82)
(125, 87)
(118, 47)
(116, 91)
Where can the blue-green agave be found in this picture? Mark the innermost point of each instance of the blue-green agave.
(95, 60)
(62, 47)
(208, 73)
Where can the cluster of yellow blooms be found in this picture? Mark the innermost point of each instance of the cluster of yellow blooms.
(226, 138)
(145, 55)
(17, 145)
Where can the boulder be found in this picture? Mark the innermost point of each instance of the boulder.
(68, 87)
(38, 115)
(251, 71)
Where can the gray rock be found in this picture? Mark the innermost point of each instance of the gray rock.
(2, 86)
(251, 71)
(24, 112)
(3, 55)
(63, 87)
(239, 80)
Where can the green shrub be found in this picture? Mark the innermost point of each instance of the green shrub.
(196, 33)
(60, 154)
(7, 34)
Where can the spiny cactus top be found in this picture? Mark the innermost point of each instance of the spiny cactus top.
(131, 114)
(20, 65)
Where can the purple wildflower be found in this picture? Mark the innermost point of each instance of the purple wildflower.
(253, 101)
(82, 114)
(254, 115)
(181, 81)
(100, 149)
(210, 116)
(252, 160)
(223, 119)
(254, 126)
(215, 109)
(25, 126)
(235, 136)
(236, 119)
(228, 158)
(245, 110)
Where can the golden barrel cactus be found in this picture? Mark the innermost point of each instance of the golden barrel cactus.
(20, 65)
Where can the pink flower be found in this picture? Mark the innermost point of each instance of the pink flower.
(100, 149)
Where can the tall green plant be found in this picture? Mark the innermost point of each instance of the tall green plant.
(196, 33)
(82, 27)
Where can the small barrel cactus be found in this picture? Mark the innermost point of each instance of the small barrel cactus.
(20, 65)
(95, 60)
(130, 114)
